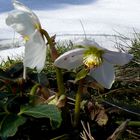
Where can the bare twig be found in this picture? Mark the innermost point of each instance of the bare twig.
(86, 134)
(118, 131)
(133, 133)
(124, 109)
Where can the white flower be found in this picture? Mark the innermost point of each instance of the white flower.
(100, 61)
(26, 23)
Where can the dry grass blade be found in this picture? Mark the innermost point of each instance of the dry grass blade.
(86, 134)
(118, 131)
(121, 108)
(133, 133)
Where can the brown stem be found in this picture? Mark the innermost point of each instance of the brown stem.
(54, 55)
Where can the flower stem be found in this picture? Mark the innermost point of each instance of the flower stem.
(77, 103)
(54, 55)
(24, 73)
(32, 94)
(60, 82)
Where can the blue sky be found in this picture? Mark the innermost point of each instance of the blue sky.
(44, 4)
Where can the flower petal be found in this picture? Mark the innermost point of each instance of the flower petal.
(117, 58)
(20, 22)
(21, 7)
(104, 74)
(35, 52)
(71, 59)
(88, 42)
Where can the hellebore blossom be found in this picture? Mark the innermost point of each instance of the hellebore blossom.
(98, 60)
(26, 23)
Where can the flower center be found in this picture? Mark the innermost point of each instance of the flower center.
(37, 26)
(26, 38)
(92, 61)
(93, 57)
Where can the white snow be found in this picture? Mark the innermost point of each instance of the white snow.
(99, 17)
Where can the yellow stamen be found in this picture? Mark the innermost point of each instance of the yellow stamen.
(93, 57)
(26, 38)
(37, 26)
(92, 61)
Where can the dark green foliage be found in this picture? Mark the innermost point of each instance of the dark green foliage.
(9, 125)
(14, 95)
(25, 116)
(43, 111)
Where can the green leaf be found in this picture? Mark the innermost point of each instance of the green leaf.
(9, 125)
(43, 111)
(5, 95)
(3, 74)
(40, 78)
(15, 70)
(81, 74)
